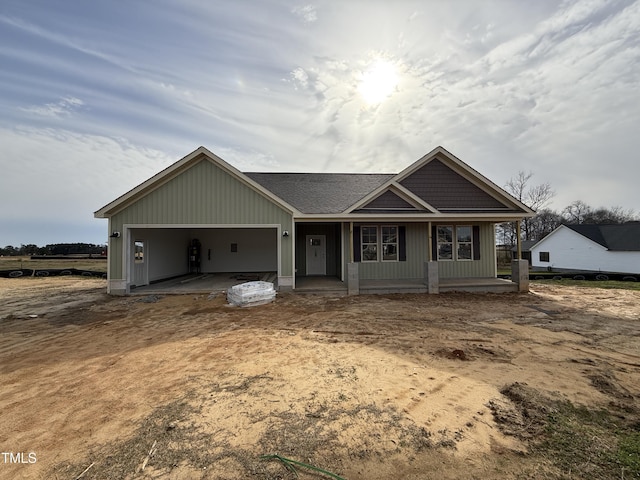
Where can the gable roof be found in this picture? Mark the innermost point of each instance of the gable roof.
(615, 237)
(438, 177)
(198, 155)
(443, 183)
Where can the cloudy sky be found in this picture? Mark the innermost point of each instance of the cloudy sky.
(98, 96)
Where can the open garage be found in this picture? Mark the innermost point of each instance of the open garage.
(161, 253)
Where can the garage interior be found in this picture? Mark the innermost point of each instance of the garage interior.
(200, 259)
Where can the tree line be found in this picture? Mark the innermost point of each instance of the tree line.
(546, 220)
(54, 249)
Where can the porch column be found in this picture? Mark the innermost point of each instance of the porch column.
(431, 278)
(353, 278)
(431, 275)
(520, 274)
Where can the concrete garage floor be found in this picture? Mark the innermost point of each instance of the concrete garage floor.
(200, 283)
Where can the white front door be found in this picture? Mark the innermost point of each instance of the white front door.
(140, 262)
(316, 255)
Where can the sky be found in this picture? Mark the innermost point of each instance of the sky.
(98, 96)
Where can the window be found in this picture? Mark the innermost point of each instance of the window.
(445, 243)
(138, 252)
(544, 256)
(389, 244)
(369, 243)
(464, 241)
(456, 242)
(381, 243)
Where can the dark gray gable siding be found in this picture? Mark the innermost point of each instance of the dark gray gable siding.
(320, 192)
(440, 186)
(389, 201)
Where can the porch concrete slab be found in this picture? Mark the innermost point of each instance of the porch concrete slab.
(320, 285)
(477, 285)
(411, 285)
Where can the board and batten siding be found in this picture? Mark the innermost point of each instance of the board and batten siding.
(417, 243)
(483, 268)
(204, 194)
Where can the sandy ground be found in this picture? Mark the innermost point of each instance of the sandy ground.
(369, 387)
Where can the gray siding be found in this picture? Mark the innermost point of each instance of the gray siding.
(483, 268)
(443, 188)
(389, 200)
(417, 244)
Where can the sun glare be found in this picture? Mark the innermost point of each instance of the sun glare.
(378, 83)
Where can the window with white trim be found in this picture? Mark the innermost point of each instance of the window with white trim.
(389, 243)
(445, 242)
(369, 243)
(464, 242)
(454, 242)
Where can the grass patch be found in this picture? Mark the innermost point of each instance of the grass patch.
(609, 284)
(575, 441)
(98, 264)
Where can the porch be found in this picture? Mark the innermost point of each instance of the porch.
(334, 286)
(417, 285)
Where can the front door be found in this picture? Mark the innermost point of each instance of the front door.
(316, 255)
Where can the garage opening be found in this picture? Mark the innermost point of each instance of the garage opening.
(172, 253)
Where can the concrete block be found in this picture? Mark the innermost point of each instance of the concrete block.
(431, 278)
(353, 278)
(520, 274)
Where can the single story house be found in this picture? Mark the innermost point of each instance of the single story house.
(590, 248)
(432, 223)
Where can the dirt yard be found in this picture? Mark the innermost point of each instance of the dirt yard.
(372, 387)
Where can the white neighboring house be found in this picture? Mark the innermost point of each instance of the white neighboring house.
(592, 248)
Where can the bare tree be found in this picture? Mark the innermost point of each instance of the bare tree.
(580, 212)
(535, 197)
(577, 212)
(545, 222)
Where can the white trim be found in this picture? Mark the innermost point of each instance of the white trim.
(472, 175)
(397, 243)
(470, 243)
(459, 167)
(454, 243)
(397, 189)
(377, 227)
(410, 217)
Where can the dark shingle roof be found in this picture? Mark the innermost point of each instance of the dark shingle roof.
(320, 192)
(623, 237)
